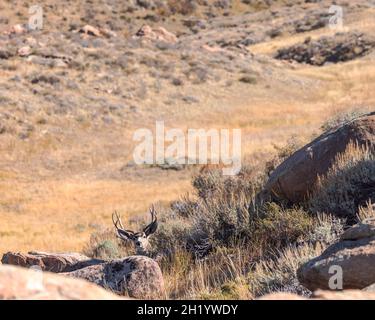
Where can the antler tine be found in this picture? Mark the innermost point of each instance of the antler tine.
(152, 211)
(115, 222)
(151, 228)
(122, 233)
(118, 220)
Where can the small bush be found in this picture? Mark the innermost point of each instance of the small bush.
(280, 274)
(223, 213)
(327, 230)
(349, 183)
(279, 227)
(184, 7)
(49, 79)
(366, 212)
(106, 249)
(104, 245)
(248, 79)
(341, 118)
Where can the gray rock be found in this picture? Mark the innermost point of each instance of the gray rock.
(356, 257)
(53, 262)
(135, 276)
(365, 229)
(18, 283)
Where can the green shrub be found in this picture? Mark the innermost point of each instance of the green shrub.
(106, 249)
(278, 227)
(104, 245)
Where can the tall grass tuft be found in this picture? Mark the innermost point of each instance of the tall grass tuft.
(349, 184)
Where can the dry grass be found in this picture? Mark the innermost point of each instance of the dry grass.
(279, 274)
(220, 276)
(366, 212)
(61, 215)
(347, 185)
(60, 185)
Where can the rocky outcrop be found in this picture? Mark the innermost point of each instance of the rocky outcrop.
(341, 47)
(90, 31)
(136, 276)
(296, 176)
(158, 34)
(16, 29)
(354, 254)
(53, 262)
(21, 283)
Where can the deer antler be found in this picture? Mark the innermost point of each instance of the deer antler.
(122, 233)
(151, 228)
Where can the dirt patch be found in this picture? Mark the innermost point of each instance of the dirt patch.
(338, 48)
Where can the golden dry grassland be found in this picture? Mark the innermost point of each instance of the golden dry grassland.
(58, 209)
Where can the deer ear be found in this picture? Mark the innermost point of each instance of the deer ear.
(154, 227)
(125, 234)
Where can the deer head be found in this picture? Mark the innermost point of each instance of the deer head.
(140, 239)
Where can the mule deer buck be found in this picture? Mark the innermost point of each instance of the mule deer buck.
(140, 239)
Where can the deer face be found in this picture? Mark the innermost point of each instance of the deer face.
(142, 243)
(140, 239)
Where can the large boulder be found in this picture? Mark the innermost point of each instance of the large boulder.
(53, 262)
(294, 178)
(21, 283)
(354, 253)
(135, 276)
